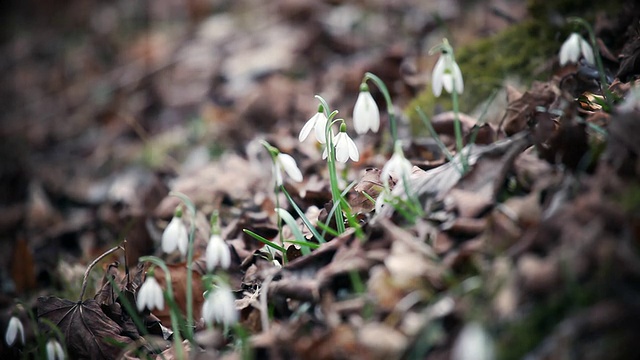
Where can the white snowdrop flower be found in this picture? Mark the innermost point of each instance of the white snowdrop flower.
(150, 295)
(473, 343)
(631, 101)
(445, 74)
(397, 165)
(175, 235)
(365, 113)
(220, 306)
(573, 47)
(345, 147)
(317, 122)
(54, 350)
(288, 164)
(15, 327)
(217, 253)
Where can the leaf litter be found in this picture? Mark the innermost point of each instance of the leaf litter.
(538, 243)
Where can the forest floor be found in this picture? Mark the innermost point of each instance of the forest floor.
(111, 109)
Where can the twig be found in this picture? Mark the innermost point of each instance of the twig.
(85, 278)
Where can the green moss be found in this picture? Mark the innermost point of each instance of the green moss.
(518, 52)
(521, 52)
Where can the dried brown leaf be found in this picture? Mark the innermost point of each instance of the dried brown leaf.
(88, 332)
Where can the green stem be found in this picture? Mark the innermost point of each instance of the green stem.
(457, 128)
(177, 339)
(390, 111)
(192, 232)
(331, 164)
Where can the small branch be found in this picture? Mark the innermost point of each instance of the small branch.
(85, 278)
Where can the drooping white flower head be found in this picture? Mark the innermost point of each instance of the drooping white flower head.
(397, 165)
(175, 235)
(217, 253)
(219, 306)
(345, 147)
(150, 295)
(446, 74)
(473, 342)
(288, 164)
(15, 327)
(365, 113)
(54, 350)
(317, 122)
(573, 47)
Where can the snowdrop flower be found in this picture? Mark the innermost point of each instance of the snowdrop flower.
(631, 101)
(318, 122)
(150, 295)
(365, 113)
(217, 253)
(573, 47)
(288, 164)
(219, 306)
(15, 327)
(397, 165)
(473, 343)
(175, 235)
(345, 147)
(446, 74)
(54, 350)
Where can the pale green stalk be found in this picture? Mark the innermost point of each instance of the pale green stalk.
(331, 163)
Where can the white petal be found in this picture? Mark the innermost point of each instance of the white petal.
(321, 128)
(353, 149)
(570, 49)
(15, 327)
(457, 77)
(277, 173)
(289, 165)
(325, 153)
(437, 75)
(54, 350)
(447, 82)
(587, 51)
(473, 342)
(342, 148)
(306, 129)
(183, 241)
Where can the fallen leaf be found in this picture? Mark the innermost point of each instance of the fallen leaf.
(88, 332)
